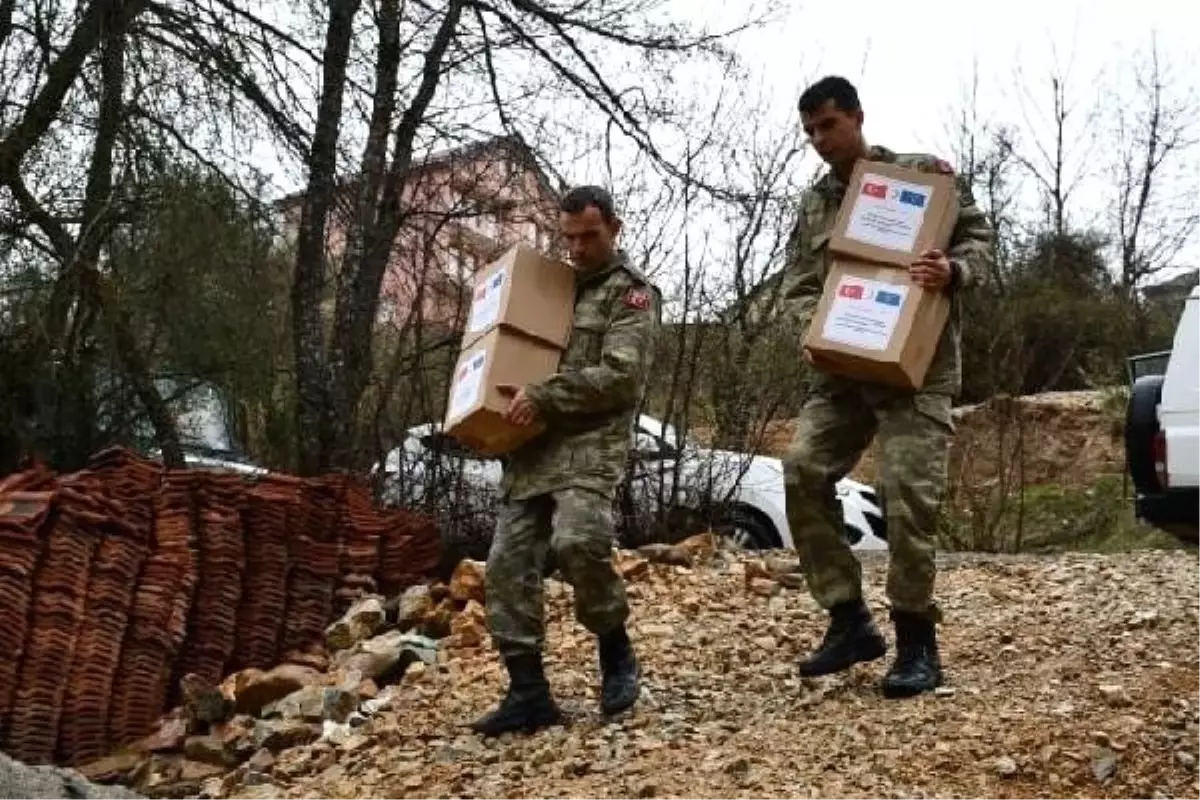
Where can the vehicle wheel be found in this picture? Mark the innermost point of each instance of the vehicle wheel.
(748, 529)
(1141, 426)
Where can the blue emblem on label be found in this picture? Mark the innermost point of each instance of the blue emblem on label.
(911, 198)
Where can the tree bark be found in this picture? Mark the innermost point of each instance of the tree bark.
(309, 279)
(351, 351)
(98, 199)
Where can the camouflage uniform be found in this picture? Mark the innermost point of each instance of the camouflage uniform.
(559, 489)
(842, 416)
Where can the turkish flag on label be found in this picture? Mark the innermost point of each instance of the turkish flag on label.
(875, 190)
(637, 298)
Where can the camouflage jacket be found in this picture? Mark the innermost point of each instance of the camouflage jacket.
(590, 403)
(808, 260)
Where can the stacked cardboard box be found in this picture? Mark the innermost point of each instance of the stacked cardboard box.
(518, 326)
(873, 323)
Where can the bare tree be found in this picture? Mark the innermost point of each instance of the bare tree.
(80, 287)
(1156, 130)
(984, 154)
(427, 54)
(1056, 143)
(95, 98)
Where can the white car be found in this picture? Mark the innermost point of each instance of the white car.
(738, 494)
(196, 460)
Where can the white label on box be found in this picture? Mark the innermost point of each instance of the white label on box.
(485, 303)
(468, 385)
(888, 213)
(864, 313)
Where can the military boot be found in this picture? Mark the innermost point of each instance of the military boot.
(619, 672)
(917, 668)
(851, 637)
(528, 704)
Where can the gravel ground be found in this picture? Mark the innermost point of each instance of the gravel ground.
(1067, 676)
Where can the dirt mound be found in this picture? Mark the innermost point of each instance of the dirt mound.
(1067, 438)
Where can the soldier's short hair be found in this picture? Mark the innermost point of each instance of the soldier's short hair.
(831, 87)
(579, 198)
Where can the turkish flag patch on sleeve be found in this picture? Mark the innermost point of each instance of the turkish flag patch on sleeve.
(637, 297)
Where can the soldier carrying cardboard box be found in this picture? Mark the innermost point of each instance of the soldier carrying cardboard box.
(559, 487)
(844, 414)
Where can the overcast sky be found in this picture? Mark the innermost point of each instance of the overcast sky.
(913, 62)
(911, 59)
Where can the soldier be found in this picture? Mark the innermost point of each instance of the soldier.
(841, 418)
(559, 489)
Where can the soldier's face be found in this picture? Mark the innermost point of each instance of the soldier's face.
(835, 134)
(589, 237)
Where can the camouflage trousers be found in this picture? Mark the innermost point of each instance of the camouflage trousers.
(578, 526)
(833, 431)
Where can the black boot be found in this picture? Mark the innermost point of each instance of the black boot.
(918, 668)
(619, 672)
(851, 637)
(528, 704)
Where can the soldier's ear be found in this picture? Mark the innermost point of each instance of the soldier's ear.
(859, 116)
(615, 226)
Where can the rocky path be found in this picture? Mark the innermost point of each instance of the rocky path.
(1068, 676)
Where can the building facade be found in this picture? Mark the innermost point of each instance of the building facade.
(462, 207)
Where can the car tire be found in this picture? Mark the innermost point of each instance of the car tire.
(1141, 426)
(749, 529)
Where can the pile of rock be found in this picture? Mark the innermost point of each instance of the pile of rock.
(22, 780)
(260, 729)
(257, 724)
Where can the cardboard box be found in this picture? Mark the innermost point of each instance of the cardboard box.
(875, 325)
(891, 214)
(526, 291)
(475, 408)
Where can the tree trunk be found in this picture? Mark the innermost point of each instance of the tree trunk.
(309, 279)
(351, 351)
(98, 199)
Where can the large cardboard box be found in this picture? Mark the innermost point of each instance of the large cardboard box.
(875, 325)
(891, 214)
(526, 291)
(475, 410)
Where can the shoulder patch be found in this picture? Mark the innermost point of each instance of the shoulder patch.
(637, 297)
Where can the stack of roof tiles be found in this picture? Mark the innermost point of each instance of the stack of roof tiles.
(117, 580)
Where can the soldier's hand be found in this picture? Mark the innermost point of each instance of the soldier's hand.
(931, 270)
(521, 410)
